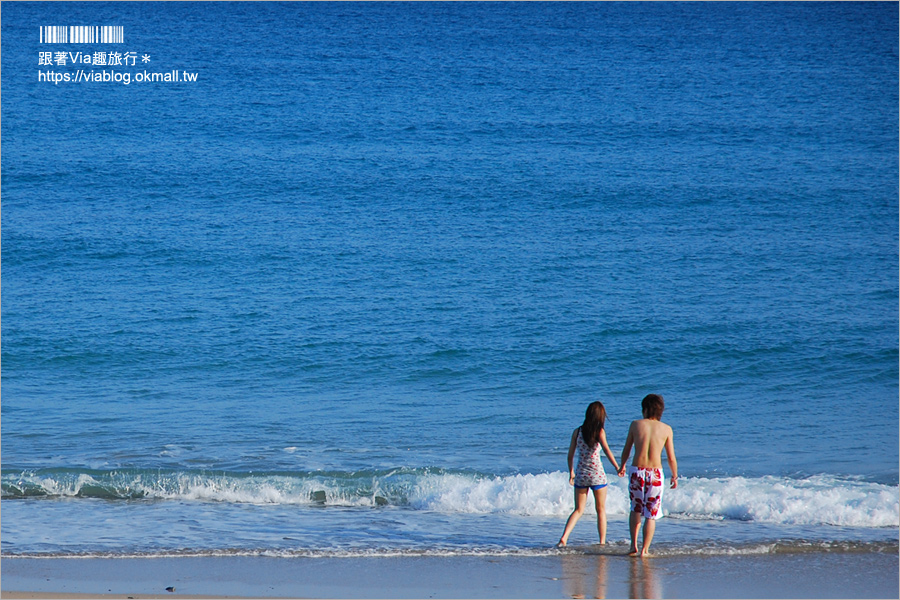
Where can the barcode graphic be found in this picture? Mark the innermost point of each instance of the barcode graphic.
(82, 34)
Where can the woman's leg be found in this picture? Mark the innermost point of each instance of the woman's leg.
(580, 502)
(600, 505)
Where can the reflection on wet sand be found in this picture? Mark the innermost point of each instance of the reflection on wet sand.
(642, 581)
(585, 576)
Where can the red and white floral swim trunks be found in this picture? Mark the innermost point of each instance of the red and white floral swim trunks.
(645, 488)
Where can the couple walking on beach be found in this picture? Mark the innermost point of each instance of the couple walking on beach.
(646, 480)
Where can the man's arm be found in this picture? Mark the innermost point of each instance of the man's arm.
(670, 455)
(629, 442)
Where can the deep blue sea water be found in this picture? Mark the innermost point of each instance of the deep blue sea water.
(390, 252)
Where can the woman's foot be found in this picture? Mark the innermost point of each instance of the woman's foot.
(561, 544)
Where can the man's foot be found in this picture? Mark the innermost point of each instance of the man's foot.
(561, 544)
(633, 552)
(645, 554)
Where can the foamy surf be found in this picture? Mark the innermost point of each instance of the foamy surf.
(613, 549)
(817, 500)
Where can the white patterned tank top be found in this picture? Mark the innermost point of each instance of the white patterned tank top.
(589, 471)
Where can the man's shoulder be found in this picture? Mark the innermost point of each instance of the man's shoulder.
(658, 426)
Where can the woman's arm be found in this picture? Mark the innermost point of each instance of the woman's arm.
(607, 451)
(572, 446)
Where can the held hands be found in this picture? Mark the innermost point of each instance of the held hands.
(621, 471)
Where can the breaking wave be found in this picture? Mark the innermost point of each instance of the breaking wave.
(821, 499)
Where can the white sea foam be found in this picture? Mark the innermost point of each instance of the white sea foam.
(821, 499)
(719, 549)
(544, 494)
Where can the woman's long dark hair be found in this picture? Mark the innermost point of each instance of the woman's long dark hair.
(594, 418)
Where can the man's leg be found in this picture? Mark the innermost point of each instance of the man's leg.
(634, 523)
(649, 530)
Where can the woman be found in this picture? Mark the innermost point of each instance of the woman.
(589, 439)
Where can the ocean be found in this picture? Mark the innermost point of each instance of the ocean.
(291, 279)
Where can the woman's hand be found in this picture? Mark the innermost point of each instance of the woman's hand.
(571, 478)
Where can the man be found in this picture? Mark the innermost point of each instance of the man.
(646, 479)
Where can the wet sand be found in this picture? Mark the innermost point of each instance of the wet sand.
(575, 575)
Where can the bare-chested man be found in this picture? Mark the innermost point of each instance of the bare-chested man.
(646, 479)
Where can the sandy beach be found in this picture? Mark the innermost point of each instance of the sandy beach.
(601, 575)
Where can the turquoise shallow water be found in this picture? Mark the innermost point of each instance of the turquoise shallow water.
(391, 252)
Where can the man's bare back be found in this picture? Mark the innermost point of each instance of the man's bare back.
(649, 437)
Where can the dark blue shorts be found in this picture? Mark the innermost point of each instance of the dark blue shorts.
(593, 487)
